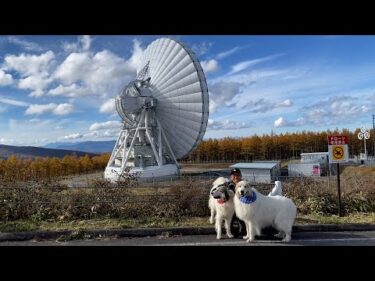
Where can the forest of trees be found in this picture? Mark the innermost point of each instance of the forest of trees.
(15, 169)
(265, 147)
(274, 147)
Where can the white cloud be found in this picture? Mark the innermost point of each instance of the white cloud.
(102, 73)
(36, 93)
(6, 141)
(63, 109)
(34, 70)
(105, 125)
(225, 91)
(40, 108)
(36, 83)
(27, 45)
(28, 127)
(201, 48)
(28, 65)
(5, 78)
(108, 107)
(111, 133)
(336, 109)
(246, 64)
(135, 60)
(68, 91)
(222, 93)
(286, 103)
(72, 136)
(75, 67)
(225, 54)
(13, 102)
(212, 105)
(227, 125)
(210, 66)
(83, 44)
(261, 105)
(331, 111)
(281, 122)
(85, 41)
(57, 109)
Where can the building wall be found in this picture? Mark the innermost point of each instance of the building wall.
(257, 175)
(322, 158)
(304, 169)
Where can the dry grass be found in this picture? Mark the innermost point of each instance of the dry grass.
(333, 219)
(110, 223)
(174, 200)
(120, 223)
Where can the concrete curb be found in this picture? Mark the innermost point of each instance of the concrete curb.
(144, 232)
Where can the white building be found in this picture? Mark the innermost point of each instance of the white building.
(304, 169)
(262, 171)
(321, 157)
(312, 165)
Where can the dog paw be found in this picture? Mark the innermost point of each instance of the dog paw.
(286, 240)
(279, 235)
(230, 235)
(250, 240)
(218, 237)
(211, 221)
(245, 237)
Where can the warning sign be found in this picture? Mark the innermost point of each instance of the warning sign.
(338, 152)
(338, 149)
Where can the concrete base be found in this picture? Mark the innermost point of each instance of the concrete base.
(113, 173)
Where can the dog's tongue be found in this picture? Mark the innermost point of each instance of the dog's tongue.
(220, 201)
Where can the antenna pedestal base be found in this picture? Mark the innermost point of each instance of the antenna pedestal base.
(113, 173)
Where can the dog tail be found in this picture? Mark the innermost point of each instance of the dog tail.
(277, 190)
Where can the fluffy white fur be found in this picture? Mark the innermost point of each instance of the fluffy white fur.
(276, 211)
(277, 190)
(221, 212)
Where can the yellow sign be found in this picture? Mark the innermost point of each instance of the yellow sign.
(338, 152)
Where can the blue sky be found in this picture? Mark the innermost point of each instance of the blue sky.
(61, 88)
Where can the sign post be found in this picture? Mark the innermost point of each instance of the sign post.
(338, 153)
(365, 135)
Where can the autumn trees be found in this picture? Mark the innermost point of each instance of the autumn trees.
(15, 169)
(273, 147)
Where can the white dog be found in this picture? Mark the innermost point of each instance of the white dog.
(221, 205)
(259, 211)
(277, 190)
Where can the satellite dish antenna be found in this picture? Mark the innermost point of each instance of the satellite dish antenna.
(164, 112)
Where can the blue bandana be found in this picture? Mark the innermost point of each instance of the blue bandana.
(248, 199)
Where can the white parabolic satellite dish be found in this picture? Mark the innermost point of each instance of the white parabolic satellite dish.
(165, 112)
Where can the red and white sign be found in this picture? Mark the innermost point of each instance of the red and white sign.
(337, 140)
(338, 149)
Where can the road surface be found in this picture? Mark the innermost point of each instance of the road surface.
(347, 238)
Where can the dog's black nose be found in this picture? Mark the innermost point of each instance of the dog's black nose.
(242, 192)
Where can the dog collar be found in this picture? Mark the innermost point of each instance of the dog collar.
(248, 199)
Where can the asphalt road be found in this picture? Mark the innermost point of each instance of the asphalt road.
(347, 238)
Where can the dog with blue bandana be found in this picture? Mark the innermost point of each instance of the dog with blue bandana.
(259, 211)
(221, 205)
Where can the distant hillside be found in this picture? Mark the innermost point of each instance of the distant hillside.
(87, 146)
(31, 152)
